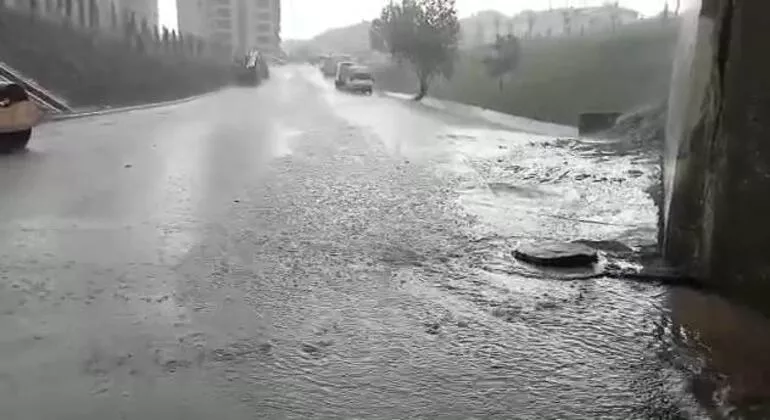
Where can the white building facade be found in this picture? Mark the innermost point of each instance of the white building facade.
(237, 25)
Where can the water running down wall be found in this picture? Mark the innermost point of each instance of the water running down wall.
(718, 157)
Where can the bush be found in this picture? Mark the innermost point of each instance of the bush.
(94, 69)
(559, 78)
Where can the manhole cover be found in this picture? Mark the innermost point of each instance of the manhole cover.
(557, 254)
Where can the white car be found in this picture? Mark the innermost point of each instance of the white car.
(342, 73)
(18, 115)
(359, 79)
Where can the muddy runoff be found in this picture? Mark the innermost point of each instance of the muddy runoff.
(368, 279)
(424, 313)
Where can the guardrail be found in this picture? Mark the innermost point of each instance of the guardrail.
(42, 97)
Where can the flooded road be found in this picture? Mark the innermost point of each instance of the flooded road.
(295, 252)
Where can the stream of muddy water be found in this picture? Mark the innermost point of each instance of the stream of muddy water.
(656, 351)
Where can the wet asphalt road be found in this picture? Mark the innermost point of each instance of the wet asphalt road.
(295, 252)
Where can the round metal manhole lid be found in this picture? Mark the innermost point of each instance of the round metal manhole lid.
(557, 254)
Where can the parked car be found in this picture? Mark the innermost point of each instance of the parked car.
(18, 114)
(342, 73)
(247, 72)
(264, 68)
(252, 69)
(359, 79)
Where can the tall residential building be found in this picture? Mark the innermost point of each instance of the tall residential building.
(238, 25)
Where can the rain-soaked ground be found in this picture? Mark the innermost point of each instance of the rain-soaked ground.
(296, 252)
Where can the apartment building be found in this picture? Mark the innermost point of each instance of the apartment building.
(238, 25)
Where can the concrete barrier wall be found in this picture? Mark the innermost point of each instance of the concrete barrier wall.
(719, 203)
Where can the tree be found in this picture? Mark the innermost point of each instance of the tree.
(567, 21)
(505, 57)
(615, 15)
(166, 39)
(424, 33)
(531, 19)
(376, 40)
(144, 27)
(93, 13)
(113, 16)
(82, 13)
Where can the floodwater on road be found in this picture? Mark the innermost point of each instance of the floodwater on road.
(316, 254)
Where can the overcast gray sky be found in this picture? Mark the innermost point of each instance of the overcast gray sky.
(306, 18)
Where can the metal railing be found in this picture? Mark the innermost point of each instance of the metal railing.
(45, 99)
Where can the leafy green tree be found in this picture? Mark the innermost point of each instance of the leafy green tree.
(113, 16)
(424, 33)
(93, 14)
(531, 20)
(376, 40)
(166, 39)
(566, 16)
(82, 13)
(505, 57)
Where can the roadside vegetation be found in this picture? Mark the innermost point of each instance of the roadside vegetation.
(89, 68)
(424, 34)
(556, 79)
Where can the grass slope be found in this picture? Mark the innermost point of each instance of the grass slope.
(558, 78)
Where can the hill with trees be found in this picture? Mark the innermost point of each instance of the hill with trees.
(554, 78)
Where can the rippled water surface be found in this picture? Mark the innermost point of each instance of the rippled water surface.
(368, 274)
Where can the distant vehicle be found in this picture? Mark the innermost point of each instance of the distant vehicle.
(359, 79)
(342, 73)
(329, 64)
(18, 114)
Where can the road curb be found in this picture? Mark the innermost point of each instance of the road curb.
(51, 118)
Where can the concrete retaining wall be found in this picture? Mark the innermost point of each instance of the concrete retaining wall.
(719, 194)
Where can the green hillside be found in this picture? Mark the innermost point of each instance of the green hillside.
(352, 39)
(558, 78)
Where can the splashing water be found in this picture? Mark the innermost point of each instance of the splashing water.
(690, 72)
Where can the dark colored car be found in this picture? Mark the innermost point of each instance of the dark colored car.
(18, 114)
(263, 68)
(252, 69)
(247, 72)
